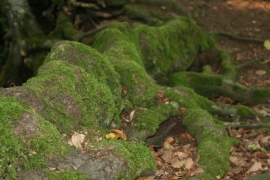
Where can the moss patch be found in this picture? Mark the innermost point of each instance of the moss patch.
(10, 145)
(80, 99)
(214, 143)
(137, 157)
(24, 145)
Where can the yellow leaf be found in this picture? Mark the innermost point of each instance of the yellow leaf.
(267, 44)
(121, 134)
(112, 136)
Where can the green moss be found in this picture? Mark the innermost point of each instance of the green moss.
(165, 50)
(10, 146)
(138, 158)
(204, 84)
(229, 69)
(259, 95)
(121, 175)
(141, 89)
(214, 144)
(119, 42)
(244, 111)
(151, 118)
(47, 142)
(16, 153)
(90, 60)
(57, 84)
(67, 174)
(187, 98)
(215, 156)
(153, 47)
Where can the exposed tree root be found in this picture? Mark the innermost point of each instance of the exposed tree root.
(86, 88)
(235, 37)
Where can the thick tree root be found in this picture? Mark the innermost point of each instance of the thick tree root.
(84, 89)
(213, 85)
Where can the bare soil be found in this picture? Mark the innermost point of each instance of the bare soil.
(244, 18)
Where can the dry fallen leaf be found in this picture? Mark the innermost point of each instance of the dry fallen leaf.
(178, 164)
(255, 167)
(196, 171)
(131, 115)
(189, 163)
(181, 155)
(121, 134)
(167, 145)
(239, 161)
(234, 170)
(76, 140)
(267, 44)
(167, 155)
(170, 140)
(112, 136)
(115, 134)
(260, 72)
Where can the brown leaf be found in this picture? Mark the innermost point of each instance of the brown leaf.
(178, 164)
(260, 72)
(255, 167)
(167, 155)
(189, 163)
(182, 155)
(121, 134)
(238, 161)
(170, 140)
(196, 171)
(167, 145)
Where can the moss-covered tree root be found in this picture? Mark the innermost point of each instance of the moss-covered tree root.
(79, 88)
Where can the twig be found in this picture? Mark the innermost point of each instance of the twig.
(89, 33)
(85, 5)
(235, 37)
(248, 126)
(250, 62)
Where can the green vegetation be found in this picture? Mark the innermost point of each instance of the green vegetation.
(11, 147)
(137, 157)
(27, 148)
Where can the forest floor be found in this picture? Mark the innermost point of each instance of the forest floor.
(246, 19)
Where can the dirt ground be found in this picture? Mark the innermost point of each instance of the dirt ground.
(244, 18)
